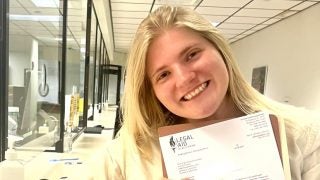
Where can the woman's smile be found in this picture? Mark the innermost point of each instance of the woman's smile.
(195, 92)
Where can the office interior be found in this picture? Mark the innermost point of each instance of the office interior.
(63, 62)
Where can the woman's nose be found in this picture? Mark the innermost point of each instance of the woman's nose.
(184, 75)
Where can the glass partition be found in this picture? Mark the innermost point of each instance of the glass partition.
(50, 63)
(75, 63)
(91, 67)
(37, 79)
(97, 65)
(34, 73)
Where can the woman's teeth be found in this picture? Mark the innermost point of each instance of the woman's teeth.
(195, 92)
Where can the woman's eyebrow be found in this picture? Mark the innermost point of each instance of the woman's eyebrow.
(186, 49)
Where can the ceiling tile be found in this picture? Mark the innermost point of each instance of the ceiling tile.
(130, 7)
(19, 11)
(259, 27)
(74, 12)
(75, 24)
(27, 23)
(27, 3)
(136, 14)
(248, 32)
(44, 11)
(224, 3)
(17, 32)
(50, 25)
(247, 20)
(258, 12)
(36, 33)
(231, 31)
(129, 35)
(12, 26)
(79, 33)
(273, 4)
(128, 26)
(271, 21)
(127, 20)
(35, 28)
(229, 36)
(233, 40)
(216, 19)
(240, 36)
(14, 4)
(76, 18)
(216, 11)
(123, 40)
(133, 1)
(304, 5)
(124, 31)
(235, 26)
(156, 6)
(285, 14)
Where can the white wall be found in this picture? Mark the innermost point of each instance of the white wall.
(120, 58)
(290, 49)
(19, 59)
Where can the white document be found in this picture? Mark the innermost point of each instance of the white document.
(238, 149)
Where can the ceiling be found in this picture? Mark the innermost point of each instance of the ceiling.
(236, 19)
(41, 21)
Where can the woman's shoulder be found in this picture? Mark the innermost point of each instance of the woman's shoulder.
(303, 131)
(126, 160)
(115, 149)
(303, 139)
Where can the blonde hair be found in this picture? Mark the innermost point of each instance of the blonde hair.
(142, 112)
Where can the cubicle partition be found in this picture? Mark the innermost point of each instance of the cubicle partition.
(96, 58)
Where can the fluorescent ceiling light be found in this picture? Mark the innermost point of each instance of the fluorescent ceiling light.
(60, 39)
(54, 39)
(215, 24)
(46, 3)
(35, 18)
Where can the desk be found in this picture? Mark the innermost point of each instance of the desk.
(87, 164)
(87, 150)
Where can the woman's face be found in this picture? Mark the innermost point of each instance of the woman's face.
(187, 73)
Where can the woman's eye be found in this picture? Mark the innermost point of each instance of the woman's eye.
(163, 75)
(192, 55)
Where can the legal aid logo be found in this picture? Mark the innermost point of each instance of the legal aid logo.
(178, 143)
(172, 144)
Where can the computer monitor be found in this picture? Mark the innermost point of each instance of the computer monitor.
(27, 108)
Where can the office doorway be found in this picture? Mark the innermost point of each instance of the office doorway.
(111, 80)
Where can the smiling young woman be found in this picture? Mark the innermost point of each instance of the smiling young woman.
(187, 74)
(180, 69)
